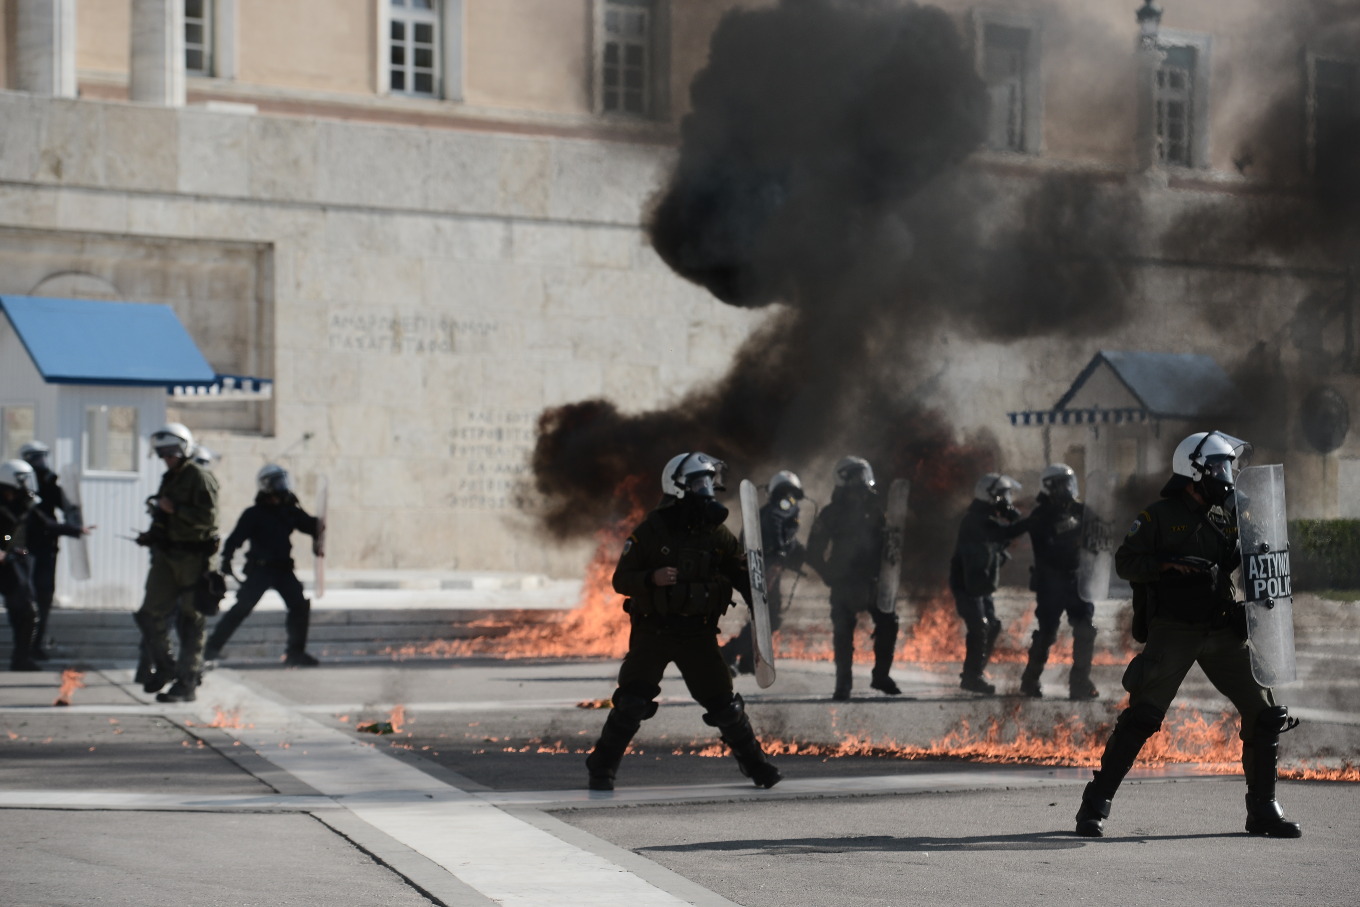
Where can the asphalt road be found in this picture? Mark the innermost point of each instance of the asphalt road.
(265, 792)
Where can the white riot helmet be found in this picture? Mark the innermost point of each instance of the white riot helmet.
(1059, 481)
(995, 488)
(785, 479)
(1206, 458)
(18, 475)
(34, 453)
(851, 471)
(696, 473)
(203, 456)
(274, 479)
(173, 437)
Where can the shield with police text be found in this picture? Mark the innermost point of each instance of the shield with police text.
(1265, 573)
(894, 530)
(755, 564)
(1095, 557)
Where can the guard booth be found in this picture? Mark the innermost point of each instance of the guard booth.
(91, 379)
(1125, 412)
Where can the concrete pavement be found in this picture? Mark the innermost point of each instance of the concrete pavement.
(264, 792)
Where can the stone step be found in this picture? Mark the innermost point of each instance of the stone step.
(101, 636)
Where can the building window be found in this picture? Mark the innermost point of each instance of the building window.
(1175, 106)
(111, 438)
(413, 48)
(1004, 69)
(198, 37)
(1334, 116)
(16, 429)
(627, 60)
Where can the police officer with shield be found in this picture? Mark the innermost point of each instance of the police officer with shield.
(679, 569)
(1055, 526)
(783, 551)
(845, 547)
(1178, 555)
(988, 526)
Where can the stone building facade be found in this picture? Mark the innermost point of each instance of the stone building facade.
(424, 221)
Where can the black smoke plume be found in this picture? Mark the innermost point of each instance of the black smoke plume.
(819, 170)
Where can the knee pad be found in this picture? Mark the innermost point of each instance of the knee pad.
(1085, 630)
(1143, 720)
(633, 708)
(1274, 721)
(1044, 637)
(727, 713)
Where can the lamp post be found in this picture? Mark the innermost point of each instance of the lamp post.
(1149, 21)
(1150, 56)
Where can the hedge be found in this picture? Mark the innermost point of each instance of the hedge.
(1324, 554)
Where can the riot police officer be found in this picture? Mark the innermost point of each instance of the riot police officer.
(268, 525)
(1054, 527)
(845, 547)
(44, 538)
(17, 486)
(182, 539)
(1178, 555)
(679, 569)
(782, 550)
(988, 526)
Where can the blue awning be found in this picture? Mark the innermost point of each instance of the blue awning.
(83, 341)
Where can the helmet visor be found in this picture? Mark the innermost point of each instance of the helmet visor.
(701, 484)
(1219, 469)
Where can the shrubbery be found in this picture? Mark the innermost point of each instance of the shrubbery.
(1324, 554)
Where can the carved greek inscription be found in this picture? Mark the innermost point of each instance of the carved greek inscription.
(404, 333)
(490, 454)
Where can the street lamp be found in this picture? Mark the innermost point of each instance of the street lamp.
(1149, 20)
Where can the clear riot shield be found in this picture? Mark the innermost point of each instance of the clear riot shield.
(755, 564)
(319, 542)
(1095, 560)
(895, 526)
(1265, 573)
(77, 548)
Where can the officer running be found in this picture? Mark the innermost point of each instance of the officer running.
(783, 551)
(1055, 533)
(44, 539)
(679, 569)
(1179, 555)
(988, 526)
(845, 547)
(182, 539)
(268, 525)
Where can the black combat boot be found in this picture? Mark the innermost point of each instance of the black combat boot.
(180, 691)
(624, 720)
(1260, 759)
(885, 646)
(740, 737)
(1039, 645)
(1131, 730)
(974, 659)
(1079, 683)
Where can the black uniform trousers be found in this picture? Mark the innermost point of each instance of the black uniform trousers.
(258, 581)
(44, 590)
(695, 652)
(16, 585)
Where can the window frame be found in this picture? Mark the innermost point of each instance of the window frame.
(450, 25)
(208, 22)
(1030, 134)
(1311, 61)
(656, 87)
(9, 450)
(88, 446)
(1197, 120)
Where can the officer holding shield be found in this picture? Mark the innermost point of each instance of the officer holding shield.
(679, 569)
(1178, 555)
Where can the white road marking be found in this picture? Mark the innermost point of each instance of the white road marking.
(507, 860)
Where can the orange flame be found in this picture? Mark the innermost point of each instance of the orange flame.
(224, 719)
(397, 718)
(71, 680)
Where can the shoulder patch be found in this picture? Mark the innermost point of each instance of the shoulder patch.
(1137, 524)
(628, 545)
